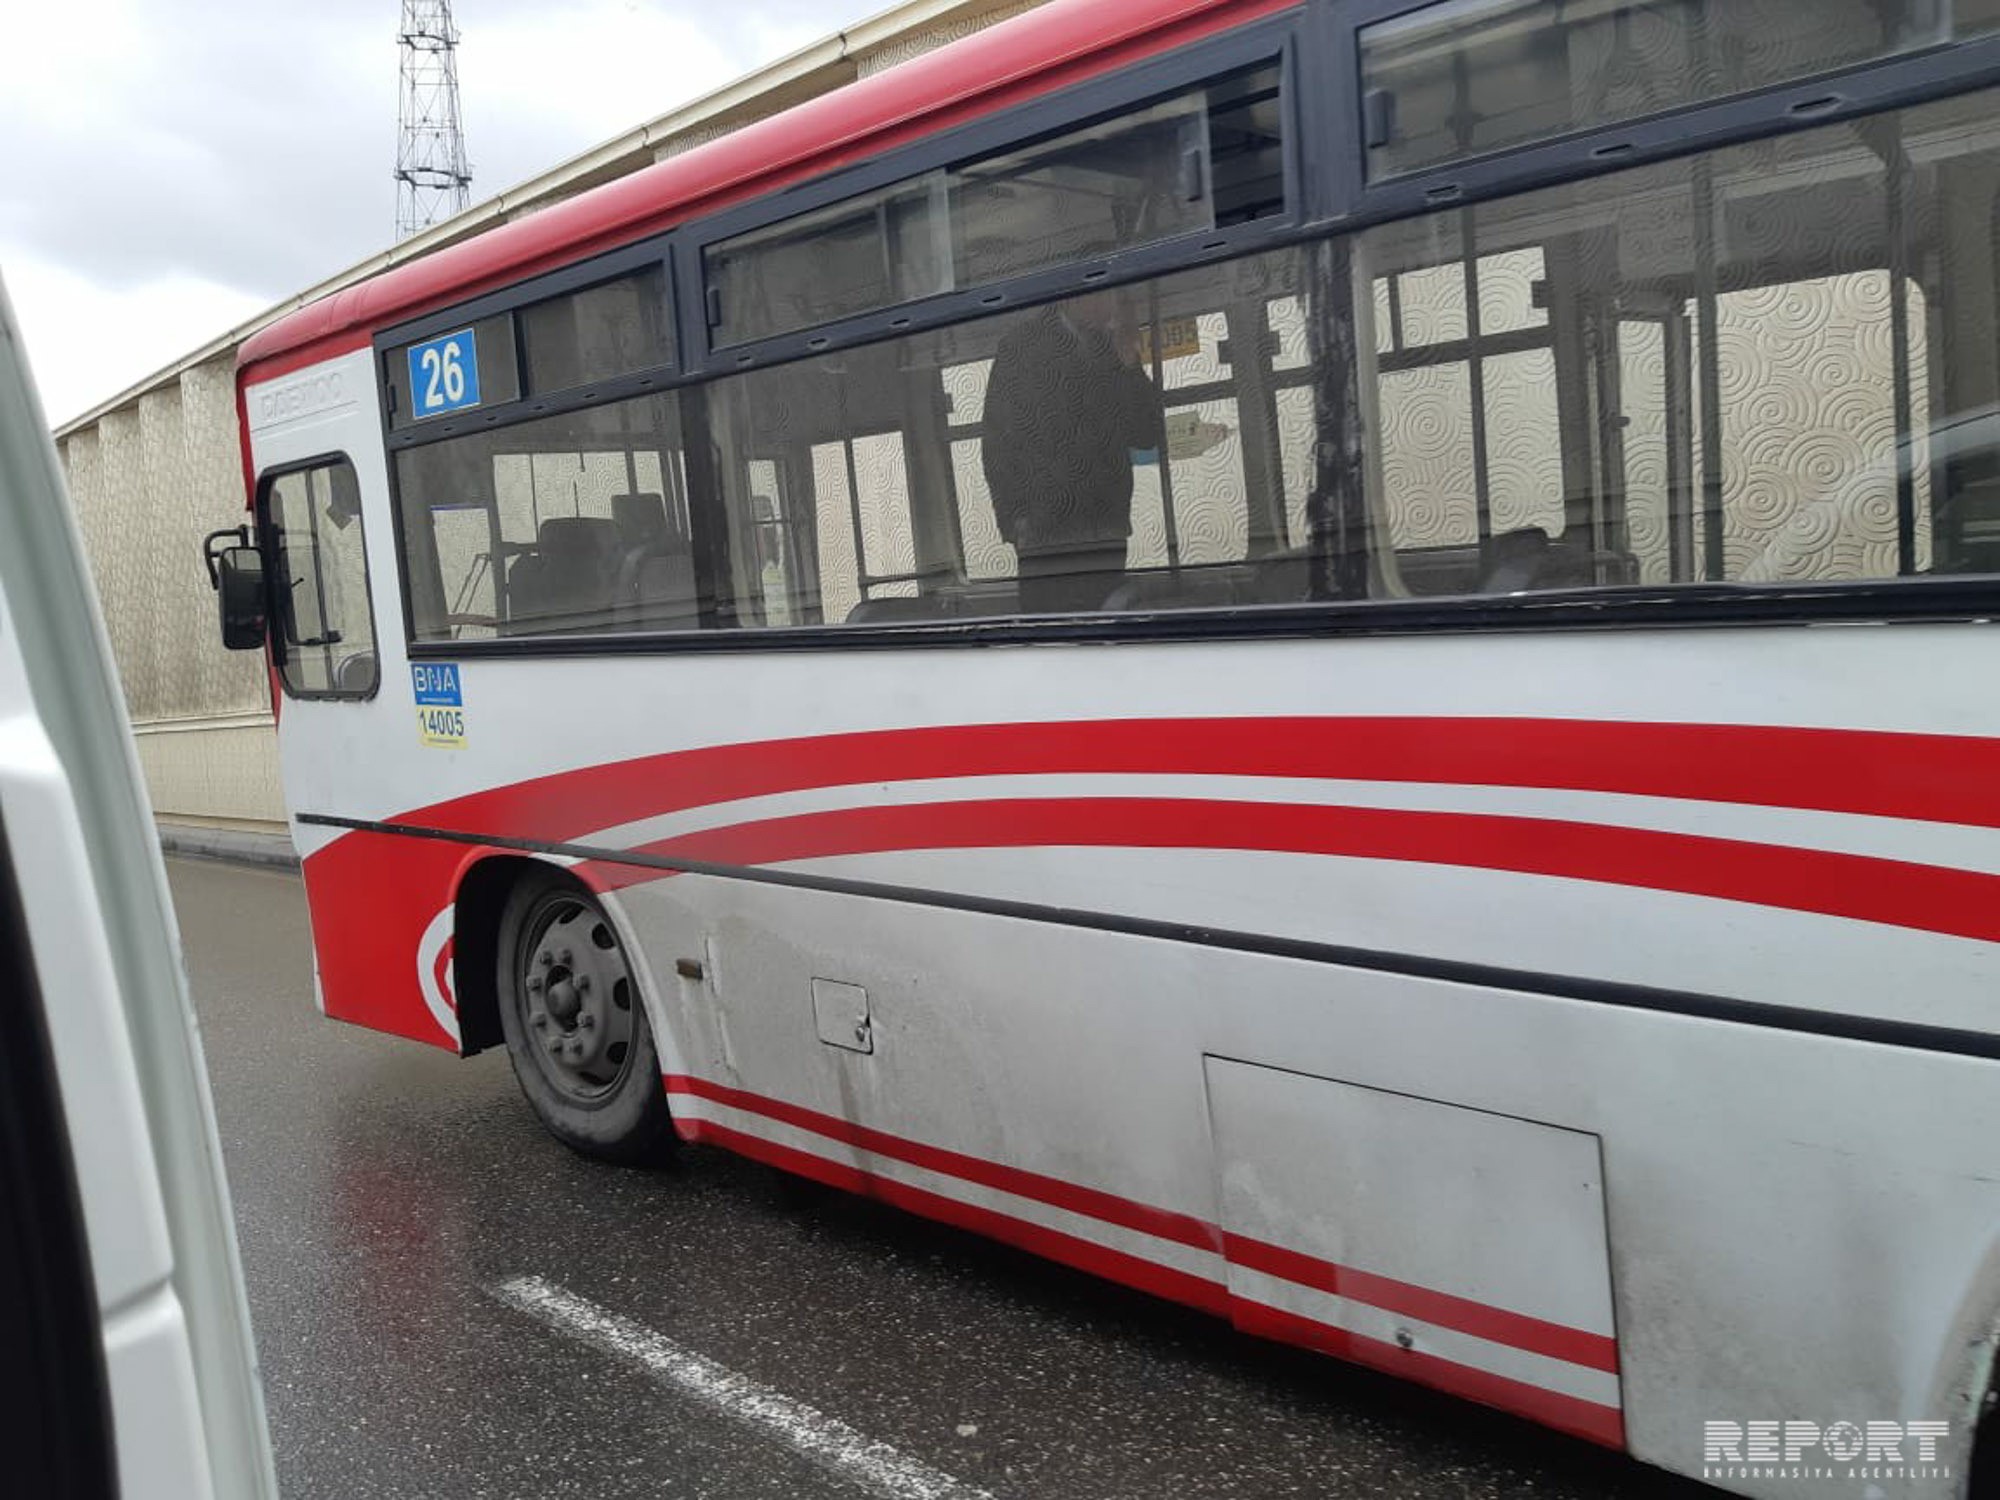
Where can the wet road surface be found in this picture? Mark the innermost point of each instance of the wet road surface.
(388, 1195)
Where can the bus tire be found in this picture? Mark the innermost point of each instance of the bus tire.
(576, 1024)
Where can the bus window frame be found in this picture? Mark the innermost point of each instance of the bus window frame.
(1805, 103)
(267, 547)
(1318, 51)
(513, 300)
(1273, 42)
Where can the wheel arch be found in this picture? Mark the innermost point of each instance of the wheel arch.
(485, 882)
(479, 897)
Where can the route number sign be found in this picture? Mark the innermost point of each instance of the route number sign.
(444, 374)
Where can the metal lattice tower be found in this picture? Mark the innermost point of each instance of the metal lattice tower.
(433, 179)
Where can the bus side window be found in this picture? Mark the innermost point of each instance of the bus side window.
(1136, 448)
(1640, 381)
(572, 524)
(325, 633)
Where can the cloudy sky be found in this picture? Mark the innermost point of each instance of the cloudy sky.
(168, 168)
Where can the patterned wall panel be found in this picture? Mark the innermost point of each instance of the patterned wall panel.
(986, 553)
(1809, 430)
(159, 679)
(1643, 404)
(222, 773)
(834, 528)
(1523, 441)
(1211, 504)
(120, 541)
(82, 456)
(1298, 439)
(1807, 449)
(225, 681)
(1426, 446)
(883, 504)
(147, 483)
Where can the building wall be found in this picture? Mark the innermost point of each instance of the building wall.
(158, 468)
(149, 481)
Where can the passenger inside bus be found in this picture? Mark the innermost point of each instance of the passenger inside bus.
(1067, 411)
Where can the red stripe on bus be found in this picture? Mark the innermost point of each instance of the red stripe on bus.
(1926, 898)
(1931, 778)
(1588, 1419)
(1571, 1414)
(1574, 1346)
(1481, 1320)
(1023, 1234)
(1182, 1229)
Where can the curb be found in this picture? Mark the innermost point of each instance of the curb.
(271, 851)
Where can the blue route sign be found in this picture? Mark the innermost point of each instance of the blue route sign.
(444, 374)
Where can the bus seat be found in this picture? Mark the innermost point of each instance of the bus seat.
(1517, 562)
(654, 585)
(892, 610)
(641, 518)
(1512, 562)
(1194, 588)
(356, 673)
(989, 596)
(567, 578)
(524, 588)
(1282, 578)
(657, 589)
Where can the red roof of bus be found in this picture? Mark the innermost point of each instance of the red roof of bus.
(1045, 49)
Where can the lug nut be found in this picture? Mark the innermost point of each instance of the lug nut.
(544, 958)
(538, 1019)
(582, 982)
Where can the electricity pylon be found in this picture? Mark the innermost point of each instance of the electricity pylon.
(433, 179)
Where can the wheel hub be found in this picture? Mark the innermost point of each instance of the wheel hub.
(579, 999)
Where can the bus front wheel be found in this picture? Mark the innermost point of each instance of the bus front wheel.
(575, 1025)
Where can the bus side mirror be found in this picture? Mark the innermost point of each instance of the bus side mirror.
(236, 573)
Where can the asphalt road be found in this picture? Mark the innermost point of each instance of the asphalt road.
(383, 1191)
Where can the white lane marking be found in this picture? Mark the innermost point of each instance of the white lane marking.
(854, 1456)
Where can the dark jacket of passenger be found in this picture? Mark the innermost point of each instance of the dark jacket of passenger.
(1063, 414)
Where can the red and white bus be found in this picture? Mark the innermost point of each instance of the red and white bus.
(1334, 660)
